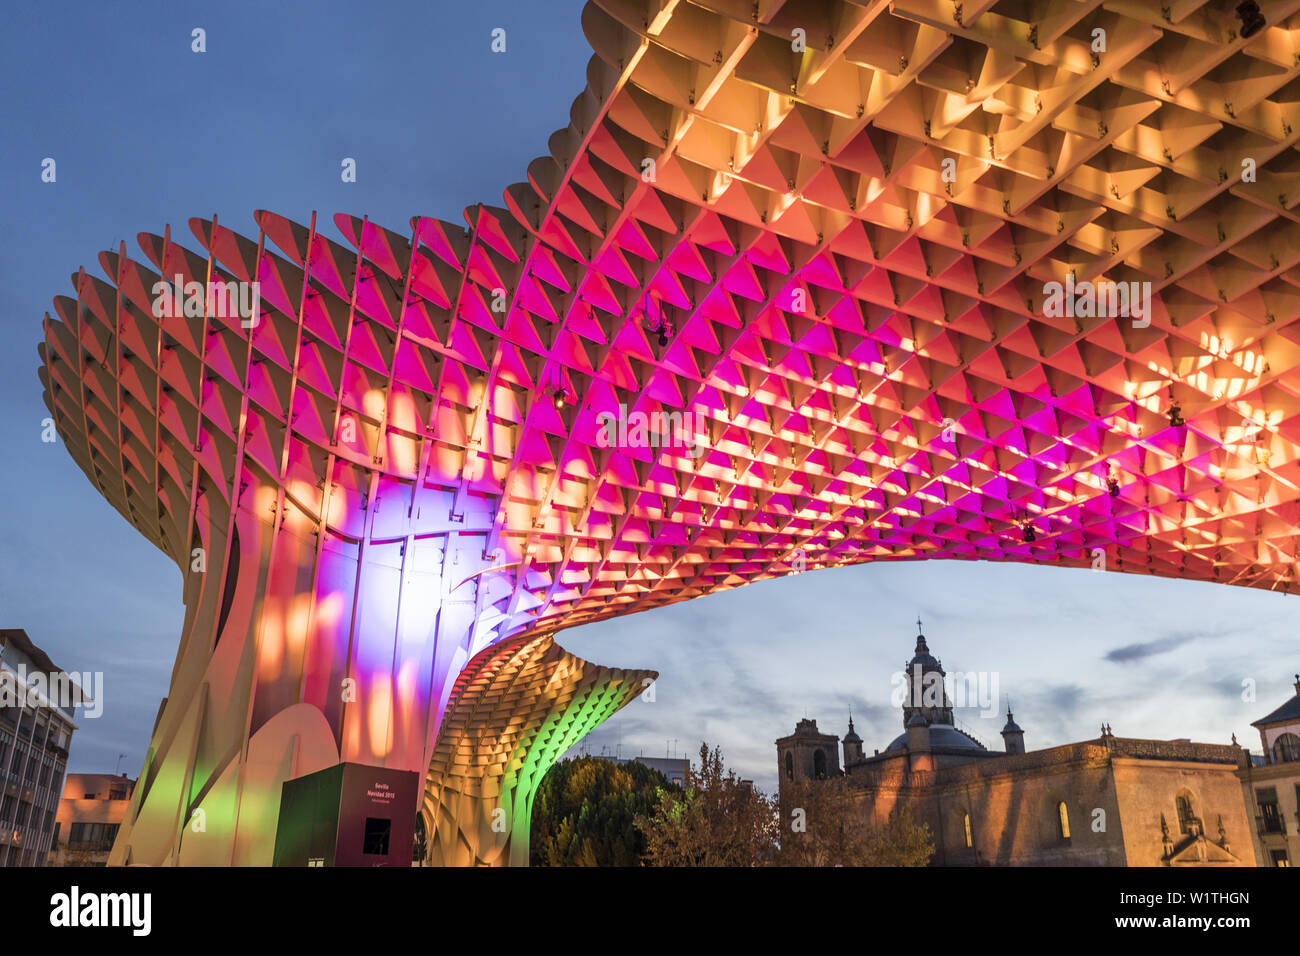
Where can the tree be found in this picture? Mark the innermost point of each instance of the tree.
(899, 841)
(585, 810)
(715, 820)
(822, 824)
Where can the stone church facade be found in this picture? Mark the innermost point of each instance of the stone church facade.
(1271, 782)
(1112, 801)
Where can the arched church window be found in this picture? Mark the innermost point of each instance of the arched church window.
(1286, 749)
(1186, 816)
(1063, 814)
(789, 765)
(819, 765)
(965, 822)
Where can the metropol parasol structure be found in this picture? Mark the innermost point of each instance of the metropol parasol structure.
(1009, 280)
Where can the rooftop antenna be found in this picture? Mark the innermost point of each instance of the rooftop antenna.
(120, 757)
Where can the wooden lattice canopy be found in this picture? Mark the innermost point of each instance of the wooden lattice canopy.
(827, 230)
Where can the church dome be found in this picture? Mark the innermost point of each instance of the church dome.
(941, 735)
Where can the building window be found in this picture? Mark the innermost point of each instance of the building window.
(92, 836)
(819, 764)
(789, 766)
(1279, 858)
(1270, 814)
(1186, 818)
(1286, 749)
(965, 822)
(1064, 815)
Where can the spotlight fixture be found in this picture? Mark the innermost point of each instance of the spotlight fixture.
(1252, 21)
(560, 397)
(1176, 415)
(661, 326)
(1112, 485)
(1027, 532)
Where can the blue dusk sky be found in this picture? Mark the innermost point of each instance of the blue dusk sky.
(146, 132)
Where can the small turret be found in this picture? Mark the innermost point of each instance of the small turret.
(852, 746)
(1013, 736)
